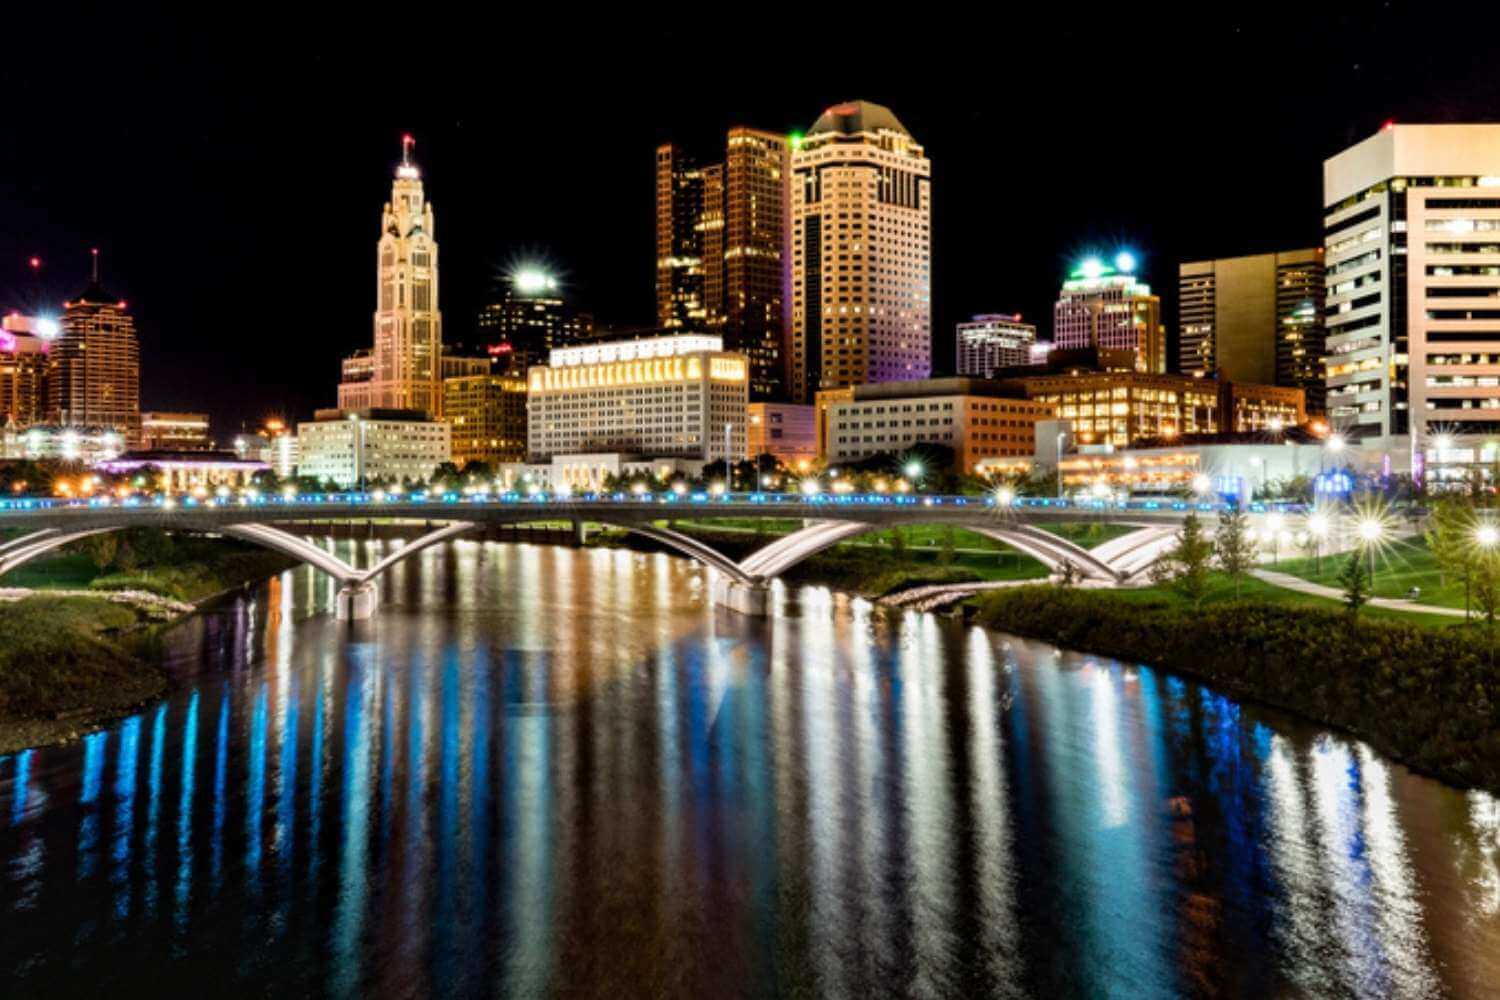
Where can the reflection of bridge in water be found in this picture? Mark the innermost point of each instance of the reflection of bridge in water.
(742, 584)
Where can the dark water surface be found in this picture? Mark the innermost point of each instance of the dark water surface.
(542, 771)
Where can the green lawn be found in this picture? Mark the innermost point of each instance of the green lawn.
(1399, 566)
(1222, 590)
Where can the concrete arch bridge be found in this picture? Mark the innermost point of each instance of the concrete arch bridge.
(742, 584)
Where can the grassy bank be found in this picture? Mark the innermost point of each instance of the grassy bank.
(1427, 696)
(68, 663)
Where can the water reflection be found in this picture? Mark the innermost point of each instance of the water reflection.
(543, 771)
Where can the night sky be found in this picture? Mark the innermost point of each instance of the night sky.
(232, 174)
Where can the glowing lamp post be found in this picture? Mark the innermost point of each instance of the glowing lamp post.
(1274, 529)
(1202, 484)
(1370, 532)
(1317, 528)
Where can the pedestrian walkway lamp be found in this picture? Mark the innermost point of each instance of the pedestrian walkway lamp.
(1370, 532)
(1317, 527)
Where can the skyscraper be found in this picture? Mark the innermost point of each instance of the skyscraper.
(407, 356)
(1411, 234)
(528, 320)
(24, 362)
(988, 342)
(95, 377)
(861, 211)
(721, 250)
(1111, 309)
(1255, 319)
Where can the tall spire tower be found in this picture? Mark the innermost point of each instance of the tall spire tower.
(405, 369)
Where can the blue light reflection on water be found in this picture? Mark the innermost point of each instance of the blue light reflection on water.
(572, 775)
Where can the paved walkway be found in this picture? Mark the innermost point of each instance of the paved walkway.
(1319, 590)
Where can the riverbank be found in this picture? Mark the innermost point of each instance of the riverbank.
(1427, 697)
(79, 634)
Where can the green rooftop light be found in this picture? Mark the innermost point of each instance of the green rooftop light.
(796, 140)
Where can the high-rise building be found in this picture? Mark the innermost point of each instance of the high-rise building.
(1255, 319)
(406, 367)
(24, 360)
(95, 377)
(861, 221)
(993, 341)
(721, 250)
(786, 431)
(1412, 261)
(1110, 309)
(488, 416)
(175, 431)
(363, 447)
(530, 319)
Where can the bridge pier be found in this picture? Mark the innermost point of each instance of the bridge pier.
(580, 534)
(752, 599)
(357, 601)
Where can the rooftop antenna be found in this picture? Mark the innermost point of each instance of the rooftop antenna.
(94, 252)
(407, 142)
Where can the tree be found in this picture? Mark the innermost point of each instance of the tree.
(1355, 579)
(1450, 538)
(1487, 588)
(1233, 551)
(1185, 567)
(102, 549)
(1068, 573)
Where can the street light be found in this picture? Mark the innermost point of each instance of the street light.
(1004, 496)
(1202, 484)
(1370, 531)
(1317, 527)
(1273, 528)
(1060, 436)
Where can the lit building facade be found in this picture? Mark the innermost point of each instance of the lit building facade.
(1412, 261)
(187, 471)
(1255, 319)
(1238, 469)
(861, 232)
(95, 376)
(353, 447)
(721, 263)
(68, 444)
(988, 342)
(24, 362)
(175, 431)
(487, 414)
(405, 363)
(787, 431)
(664, 397)
(1110, 310)
(275, 446)
(1122, 407)
(980, 420)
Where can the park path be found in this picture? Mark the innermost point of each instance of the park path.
(1319, 590)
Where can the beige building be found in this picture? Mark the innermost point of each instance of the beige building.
(1255, 319)
(980, 420)
(787, 431)
(861, 245)
(1110, 310)
(360, 447)
(682, 396)
(175, 431)
(95, 376)
(988, 342)
(405, 366)
(1412, 260)
(487, 414)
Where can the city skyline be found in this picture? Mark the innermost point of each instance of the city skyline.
(190, 250)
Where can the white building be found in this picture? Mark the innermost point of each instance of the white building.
(993, 341)
(861, 240)
(405, 367)
(89, 445)
(1412, 259)
(355, 447)
(678, 397)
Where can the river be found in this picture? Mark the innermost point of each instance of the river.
(547, 771)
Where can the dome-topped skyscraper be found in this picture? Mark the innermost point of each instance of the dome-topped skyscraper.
(95, 374)
(861, 218)
(406, 363)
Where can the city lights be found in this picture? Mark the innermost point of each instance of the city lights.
(532, 281)
(1091, 267)
(1125, 261)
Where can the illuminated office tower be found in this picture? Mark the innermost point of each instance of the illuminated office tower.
(721, 250)
(95, 378)
(532, 317)
(1255, 319)
(1412, 260)
(25, 342)
(861, 211)
(1109, 308)
(406, 363)
(988, 342)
